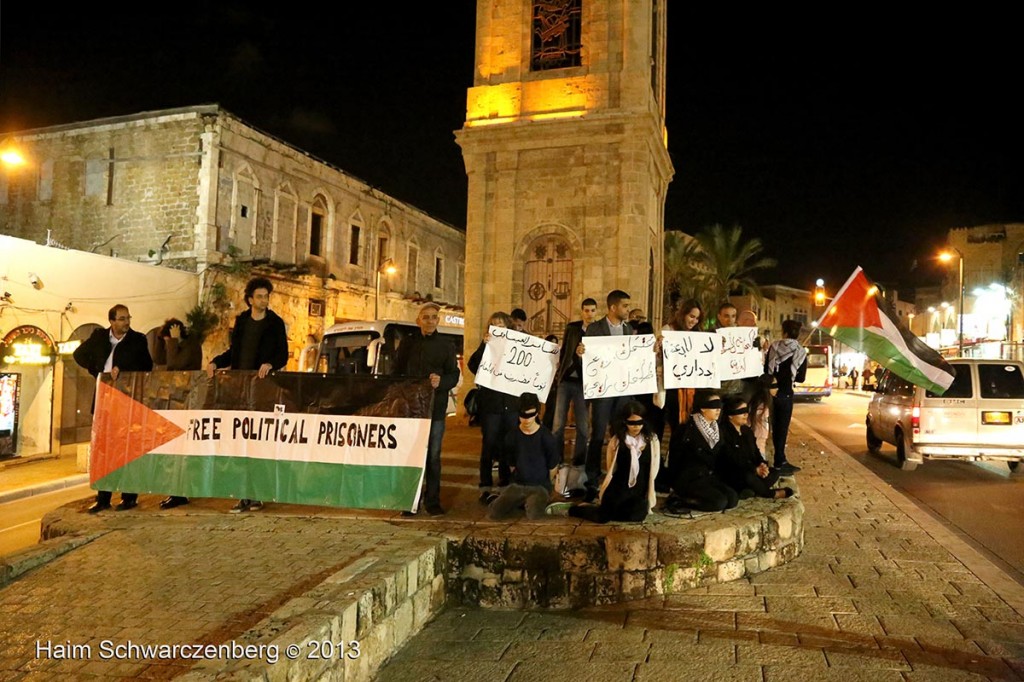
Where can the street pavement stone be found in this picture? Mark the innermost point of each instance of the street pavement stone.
(873, 597)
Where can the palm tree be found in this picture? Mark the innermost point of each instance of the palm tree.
(712, 264)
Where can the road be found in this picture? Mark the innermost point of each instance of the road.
(19, 520)
(981, 505)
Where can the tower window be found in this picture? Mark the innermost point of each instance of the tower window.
(556, 30)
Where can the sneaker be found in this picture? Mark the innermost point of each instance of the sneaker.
(558, 509)
(241, 506)
(787, 469)
(256, 505)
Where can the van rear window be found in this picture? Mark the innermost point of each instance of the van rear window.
(1001, 381)
(961, 386)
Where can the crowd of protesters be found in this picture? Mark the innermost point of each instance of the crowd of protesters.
(717, 439)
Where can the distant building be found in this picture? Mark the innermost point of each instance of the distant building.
(200, 190)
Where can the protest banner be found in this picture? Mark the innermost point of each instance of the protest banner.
(740, 357)
(690, 359)
(341, 441)
(517, 363)
(619, 366)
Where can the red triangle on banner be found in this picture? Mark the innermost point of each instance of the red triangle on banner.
(123, 430)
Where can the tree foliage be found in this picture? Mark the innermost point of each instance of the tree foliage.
(713, 264)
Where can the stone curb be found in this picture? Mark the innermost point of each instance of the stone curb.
(40, 488)
(562, 567)
(17, 564)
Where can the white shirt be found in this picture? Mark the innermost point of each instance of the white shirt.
(109, 364)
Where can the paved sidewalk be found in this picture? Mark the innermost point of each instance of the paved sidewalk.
(875, 596)
(34, 475)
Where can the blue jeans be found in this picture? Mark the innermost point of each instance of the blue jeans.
(494, 427)
(782, 414)
(432, 497)
(572, 392)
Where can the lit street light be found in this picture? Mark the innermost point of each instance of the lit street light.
(386, 268)
(946, 257)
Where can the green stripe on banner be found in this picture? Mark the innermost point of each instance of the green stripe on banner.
(876, 346)
(313, 483)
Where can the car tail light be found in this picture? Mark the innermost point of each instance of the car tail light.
(997, 418)
(915, 420)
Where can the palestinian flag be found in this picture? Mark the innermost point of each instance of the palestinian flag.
(860, 317)
(354, 441)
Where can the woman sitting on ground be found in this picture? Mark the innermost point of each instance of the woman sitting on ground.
(632, 460)
(740, 464)
(693, 460)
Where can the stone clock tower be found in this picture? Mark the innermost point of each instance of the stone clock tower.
(564, 145)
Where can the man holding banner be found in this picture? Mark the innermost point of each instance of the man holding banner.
(429, 355)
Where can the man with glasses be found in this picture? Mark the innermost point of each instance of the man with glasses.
(116, 349)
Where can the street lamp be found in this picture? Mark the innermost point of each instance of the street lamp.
(385, 268)
(10, 156)
(945, 257)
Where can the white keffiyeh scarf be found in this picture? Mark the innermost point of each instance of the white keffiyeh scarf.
(636, 445)
(783, 350)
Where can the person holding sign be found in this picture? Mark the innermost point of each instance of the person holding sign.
(693, 460)
(741, 465)
(632, 458)
(430, 356)
(601, 409)
(532, 453)
(497, 414)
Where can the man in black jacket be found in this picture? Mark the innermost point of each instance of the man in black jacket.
(428, 354)
(116, 349)
(259, 342)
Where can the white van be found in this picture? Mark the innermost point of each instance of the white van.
(370, 347)
(980, 416)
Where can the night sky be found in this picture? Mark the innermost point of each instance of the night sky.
(838, 141)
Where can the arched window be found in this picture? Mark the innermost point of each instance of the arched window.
(438, 271)
(286, 208)
(317, 226)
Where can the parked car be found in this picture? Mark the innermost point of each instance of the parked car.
(980, 416)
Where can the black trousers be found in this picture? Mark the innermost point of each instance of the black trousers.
(632, 509)
(782, 415)
(706, 493)
(103, 497)
(762, 487)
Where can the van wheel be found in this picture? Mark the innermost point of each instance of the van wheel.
(901, 454)
(874, 442)
(1015, 467)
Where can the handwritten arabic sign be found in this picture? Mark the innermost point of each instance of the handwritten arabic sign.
(517, 363)
(739, 359)
(691, 359)
(619, 365)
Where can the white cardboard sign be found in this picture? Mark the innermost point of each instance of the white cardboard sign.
(619, 366)
(517, 363)
(690, 359)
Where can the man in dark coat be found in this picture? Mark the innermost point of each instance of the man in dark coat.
(569, 378)
(116, 349)
(258, 342)
(786, 363)
(429, 355)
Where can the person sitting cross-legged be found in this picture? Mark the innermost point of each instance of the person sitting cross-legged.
(693, 460)
(632, 460)
(740, 464)
(532, 454)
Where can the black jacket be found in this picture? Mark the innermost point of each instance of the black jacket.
(603, 328)
(690, 456)
(489, 401)
(420, 356)
(130, 355)
(568, 360)
(273, 346)
(739, 456)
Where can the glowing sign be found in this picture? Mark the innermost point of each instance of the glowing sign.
(68, 347)
(28, 345)
(456, 320)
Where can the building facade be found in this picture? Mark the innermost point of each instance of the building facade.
(198, 189)
(565, 151)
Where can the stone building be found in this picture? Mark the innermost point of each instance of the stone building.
(198, 189)
(993, 272)
(565, 150)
